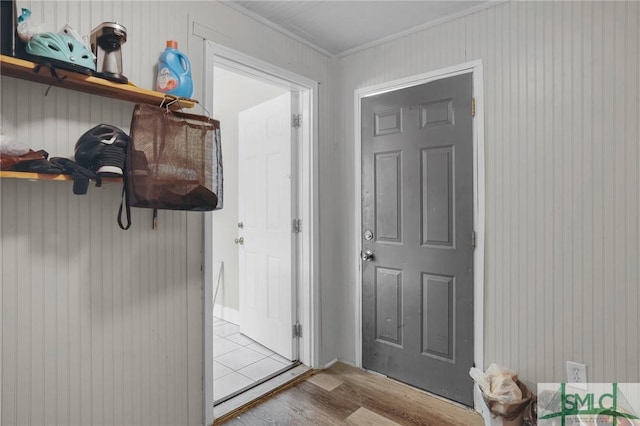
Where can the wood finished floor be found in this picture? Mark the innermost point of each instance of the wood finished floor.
(344, 395)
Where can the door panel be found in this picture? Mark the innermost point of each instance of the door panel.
(265, 255)
(388, 192)
(417, 199)
(438, 334)
(437, 196)
(388, 305)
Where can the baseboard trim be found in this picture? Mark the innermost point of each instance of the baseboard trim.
(329, 364)
(227, 314)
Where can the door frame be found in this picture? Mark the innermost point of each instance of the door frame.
(475, 68)
(306, 269)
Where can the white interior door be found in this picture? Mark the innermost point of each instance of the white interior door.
(265, 229)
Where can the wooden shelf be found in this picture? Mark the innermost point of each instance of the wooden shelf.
(19, 68)
(45, 176)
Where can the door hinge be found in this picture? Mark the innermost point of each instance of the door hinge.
(296, 226)
(296, 121)
(297, 330)
(473, 239)
(473, 107)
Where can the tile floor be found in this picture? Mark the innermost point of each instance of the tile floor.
(239, 362)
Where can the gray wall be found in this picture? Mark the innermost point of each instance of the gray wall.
(562, 178)
(98, 325)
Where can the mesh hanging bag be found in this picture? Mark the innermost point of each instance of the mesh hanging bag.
(174, 160)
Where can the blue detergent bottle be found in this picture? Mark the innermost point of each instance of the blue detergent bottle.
(174, 72)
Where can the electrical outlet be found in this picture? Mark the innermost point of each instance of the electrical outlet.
(576, 373)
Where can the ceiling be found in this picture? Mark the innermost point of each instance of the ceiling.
(340, 27)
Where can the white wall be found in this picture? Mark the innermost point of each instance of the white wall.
(233, 93)
(561, 84)
(101, 326)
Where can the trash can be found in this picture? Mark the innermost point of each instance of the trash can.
(505, 398)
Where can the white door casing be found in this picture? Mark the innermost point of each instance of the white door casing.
(265, 238)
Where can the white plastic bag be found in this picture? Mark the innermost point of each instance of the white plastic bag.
(26, 27)
(503, 394)
(498, 383)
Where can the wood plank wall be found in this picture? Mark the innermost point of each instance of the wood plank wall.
(98, 325)
(562, 141)
(95, 320)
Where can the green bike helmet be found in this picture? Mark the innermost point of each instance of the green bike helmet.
(62, 51)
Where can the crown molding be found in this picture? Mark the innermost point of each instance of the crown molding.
(419, 28)
(235, 6)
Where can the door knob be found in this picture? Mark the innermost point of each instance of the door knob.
(239, 240)
(367, 255)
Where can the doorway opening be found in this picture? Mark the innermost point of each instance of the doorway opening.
(258, 208)
(259, 270)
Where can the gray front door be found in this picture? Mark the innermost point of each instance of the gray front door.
(417, 221)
